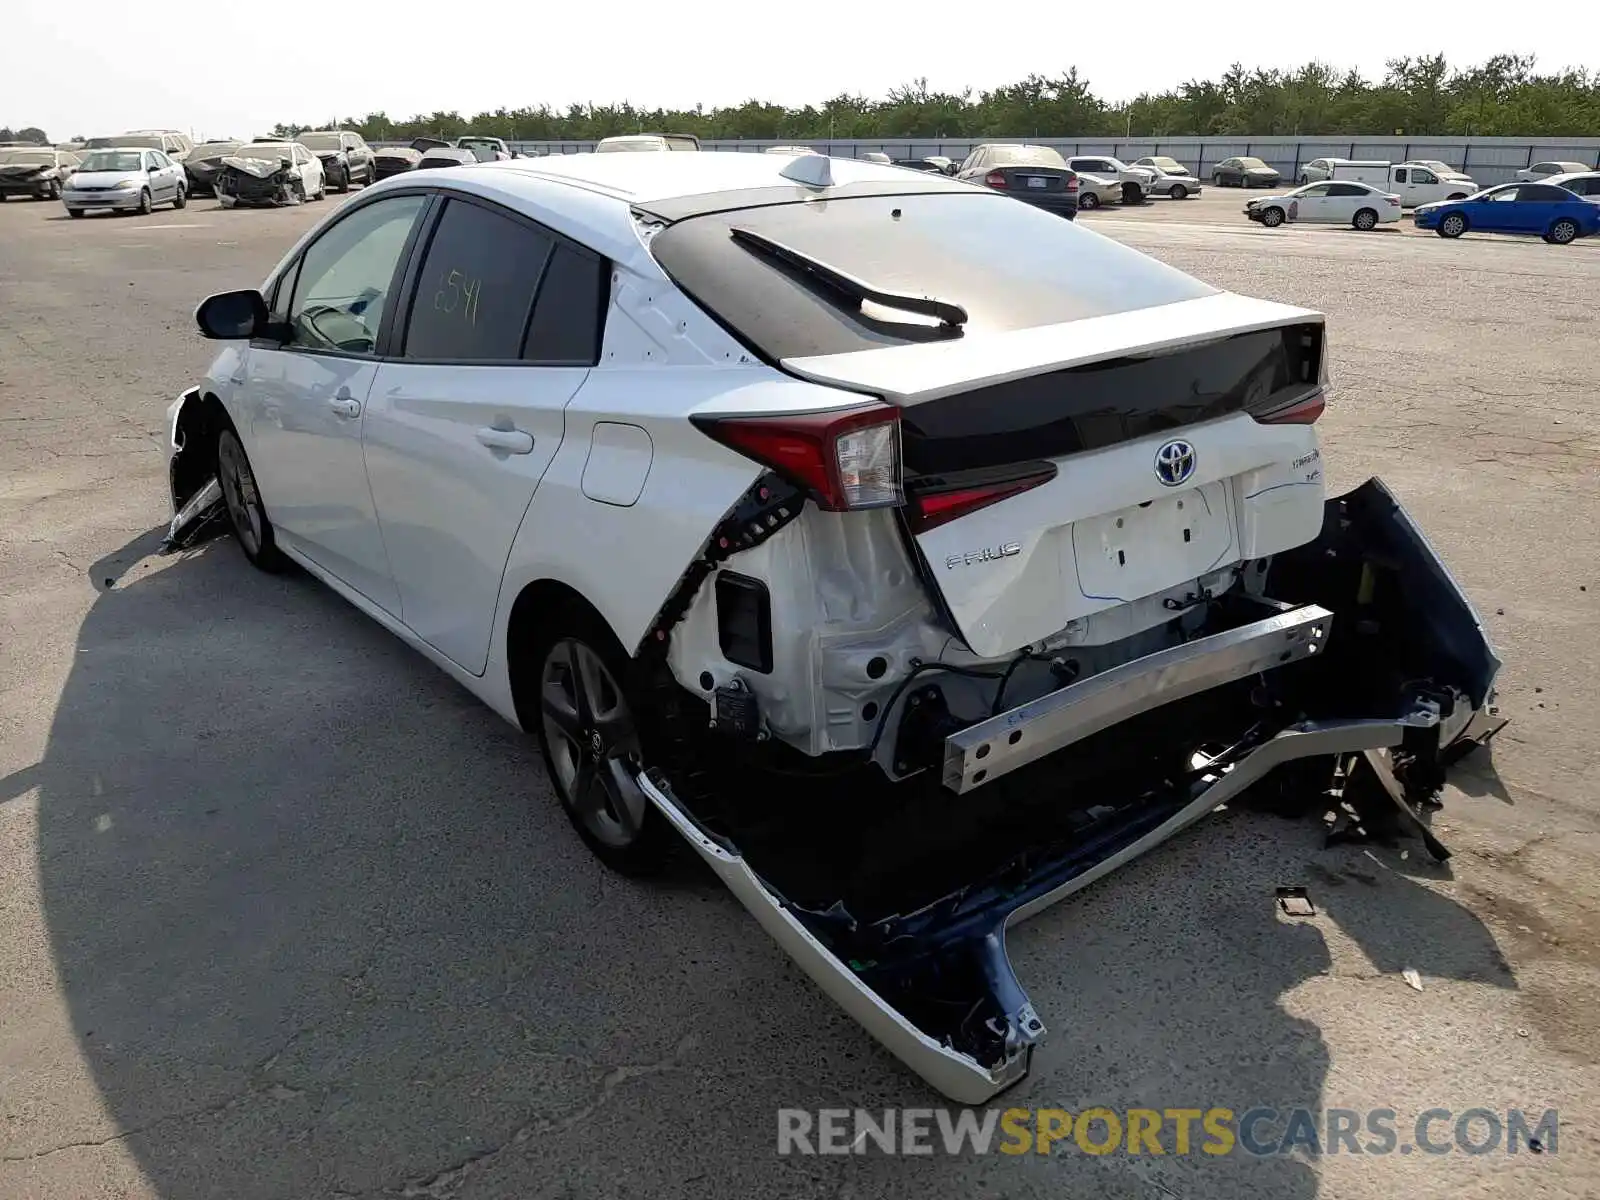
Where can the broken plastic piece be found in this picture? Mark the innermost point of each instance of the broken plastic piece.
(1295, 902)
(201, 509)
(1412, 978)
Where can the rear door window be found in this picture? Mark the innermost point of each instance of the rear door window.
(476, 286)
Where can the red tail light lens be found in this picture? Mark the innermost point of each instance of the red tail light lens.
(1303, 411)
(847, 458)
(939, 506)
(1072, 184)
(995, 179)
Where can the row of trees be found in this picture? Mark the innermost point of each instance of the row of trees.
(1424, 96)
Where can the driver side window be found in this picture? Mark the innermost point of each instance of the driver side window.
(345, 280)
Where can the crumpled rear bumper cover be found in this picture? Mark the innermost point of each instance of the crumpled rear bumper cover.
(881, 971)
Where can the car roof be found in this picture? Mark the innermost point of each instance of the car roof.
(593, 197)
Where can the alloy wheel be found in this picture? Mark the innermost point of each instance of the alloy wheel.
(593, 742)
(239, 493)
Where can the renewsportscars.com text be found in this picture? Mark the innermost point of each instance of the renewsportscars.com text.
(1260, 1131)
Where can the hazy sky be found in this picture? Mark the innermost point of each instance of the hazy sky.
(226, 67)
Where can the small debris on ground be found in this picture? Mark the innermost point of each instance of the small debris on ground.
(1411, 977)
(1295, 902)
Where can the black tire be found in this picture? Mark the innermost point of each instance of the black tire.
(1272, 217)
(1178, 192)
(343, 184)
(1452, 225)
(144, 203)
(1365, 219)
(1456, 196)
(180, 199)
(247, 514)
(1088, 200)
(1132, 193)
(1564, 232)
(74, 212)
(55, 190)
(594, 733)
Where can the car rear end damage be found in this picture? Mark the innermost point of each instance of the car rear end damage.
(1047, 576)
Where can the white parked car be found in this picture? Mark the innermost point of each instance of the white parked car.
(270, 172)
(1373, 171)
(1332, 202)
(1584, 183)
(1171, 177)
(647, 143)
(1135, 182)
(787, 527)
(1540, 171)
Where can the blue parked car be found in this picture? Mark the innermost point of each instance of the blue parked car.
(1553, 213)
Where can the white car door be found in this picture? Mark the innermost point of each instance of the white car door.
(1309, 204)
(1343, 199)
(502, 326)
(304, 399)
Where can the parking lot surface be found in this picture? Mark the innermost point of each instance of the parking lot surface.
(285, 913)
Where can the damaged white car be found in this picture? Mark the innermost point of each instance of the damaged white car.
(916, 556)
(270, 173)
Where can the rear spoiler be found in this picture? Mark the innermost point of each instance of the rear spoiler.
(929, 370)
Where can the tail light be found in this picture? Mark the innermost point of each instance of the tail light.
(1072, 184)
(847, 458)
(932, 506)
(995, 179)
(1394, 201)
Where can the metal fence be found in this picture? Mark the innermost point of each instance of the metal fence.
(1487, 160)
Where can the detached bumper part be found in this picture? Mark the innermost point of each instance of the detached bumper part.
(1378, 656)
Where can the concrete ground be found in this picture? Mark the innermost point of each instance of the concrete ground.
(285, 913)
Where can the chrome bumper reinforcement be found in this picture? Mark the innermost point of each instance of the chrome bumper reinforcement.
(984, 752)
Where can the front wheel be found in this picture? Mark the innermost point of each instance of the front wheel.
(1088, 200)
(1563, 231)
(592, 735)
(1452, 225)
(1132, 193)
(1272, 217)
(242, 499)
(1178, 192)
(1365, 219)
(144, 203)
(342, 183)
(55, 190)
(75, 212)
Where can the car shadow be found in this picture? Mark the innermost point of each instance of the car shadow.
(322, 928)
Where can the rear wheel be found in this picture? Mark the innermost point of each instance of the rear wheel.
(1088, 200)
(242, 498)
(1365, 219)
(593, 736)
(1272, 217)
(1456, 196)
(1563, 231)
(1452, 225)
(180, 198)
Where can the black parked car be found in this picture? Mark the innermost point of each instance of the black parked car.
(1246, 172)
(346, 157)
(1036, 175)
(203, 163)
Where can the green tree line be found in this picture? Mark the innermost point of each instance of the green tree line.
(1422, 97)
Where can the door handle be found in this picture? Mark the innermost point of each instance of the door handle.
(345, 404)
(513, 441)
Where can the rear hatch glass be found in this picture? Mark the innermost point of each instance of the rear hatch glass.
(1011, 266)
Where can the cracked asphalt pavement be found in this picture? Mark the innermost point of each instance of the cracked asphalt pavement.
(285, 913)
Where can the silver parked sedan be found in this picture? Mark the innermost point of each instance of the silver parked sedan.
(125, 179)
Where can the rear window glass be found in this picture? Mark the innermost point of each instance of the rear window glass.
(1010, 265)
(1024, 156)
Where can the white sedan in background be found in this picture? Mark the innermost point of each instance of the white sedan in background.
(1540, 171)
(1330, 202)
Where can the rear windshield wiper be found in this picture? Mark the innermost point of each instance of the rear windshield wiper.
(848, 285)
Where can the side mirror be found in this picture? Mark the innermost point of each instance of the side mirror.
(230, 316)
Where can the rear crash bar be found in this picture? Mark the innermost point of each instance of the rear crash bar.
(982, 753)
(954, 1074)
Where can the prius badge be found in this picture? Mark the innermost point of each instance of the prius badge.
(987, 554)
(1175, 462)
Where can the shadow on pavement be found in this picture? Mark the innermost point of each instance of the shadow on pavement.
(323, 930)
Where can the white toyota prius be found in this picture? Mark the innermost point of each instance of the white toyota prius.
(914, 555)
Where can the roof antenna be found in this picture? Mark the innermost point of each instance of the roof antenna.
(813, 170)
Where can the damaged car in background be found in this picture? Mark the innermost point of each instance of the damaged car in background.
(345, 157)
(269, 173)
(35, 172)
(933, 589)
(203, 163)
